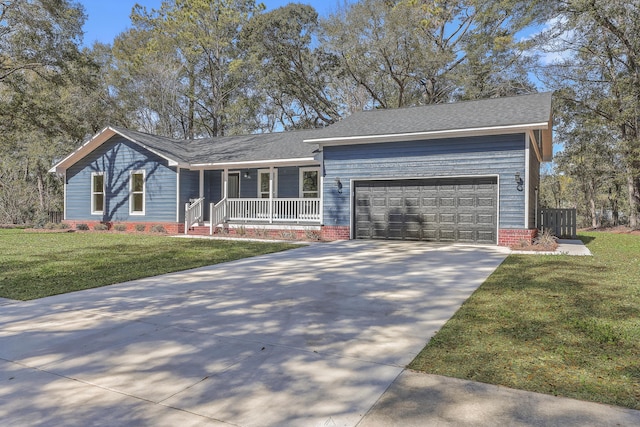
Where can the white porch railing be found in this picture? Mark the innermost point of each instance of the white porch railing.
(218, 213)
(193, 213)
(274, 210)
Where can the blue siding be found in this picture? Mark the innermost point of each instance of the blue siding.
(501, 155)
(189, 188)
(116, 158)
(288, 185)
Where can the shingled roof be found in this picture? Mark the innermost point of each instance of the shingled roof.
(509, 114)
(485, 113)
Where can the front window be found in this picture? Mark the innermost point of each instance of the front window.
(263, 183)
(309, 183)
(97, 193)
(136, 197)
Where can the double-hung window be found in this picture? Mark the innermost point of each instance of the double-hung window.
(97, 193)
(309, 183)
(136, 193)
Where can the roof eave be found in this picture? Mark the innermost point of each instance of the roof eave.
(411, 136)
(300, 161)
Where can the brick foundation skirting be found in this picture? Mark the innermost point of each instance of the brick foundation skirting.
(335, 232)
(170, 227)
(509, 237)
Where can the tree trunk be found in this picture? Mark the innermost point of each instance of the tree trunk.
(633, 188)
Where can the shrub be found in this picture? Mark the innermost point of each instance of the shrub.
(312, 235)
(64, 226)
(546, 239)
(51, 226)
(141, 227)
(241, 231)
(101, 227)
(83, 227)
(120, 227)
(158, 228)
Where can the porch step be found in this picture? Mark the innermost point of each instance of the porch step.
(199, 230)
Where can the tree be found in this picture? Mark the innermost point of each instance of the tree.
(600, 68)
(294, 75)
(44, 79)
(407, 52)
(191, 47)
(38, 34)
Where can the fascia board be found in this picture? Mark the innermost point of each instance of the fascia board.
(303, 161)
(411, 136)
(97, 140)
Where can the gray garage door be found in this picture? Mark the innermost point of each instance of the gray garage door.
(441, 210)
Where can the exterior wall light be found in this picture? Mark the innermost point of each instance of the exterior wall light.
(247, 175)
(338, 185)
(519, 181)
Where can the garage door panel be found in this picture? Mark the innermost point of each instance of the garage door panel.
(448, 210)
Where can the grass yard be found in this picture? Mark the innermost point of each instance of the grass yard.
(560, 325)
(36, 265)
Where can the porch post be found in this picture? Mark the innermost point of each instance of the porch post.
(201, 183)
(270, 194)
(321, 194)
(225, 183)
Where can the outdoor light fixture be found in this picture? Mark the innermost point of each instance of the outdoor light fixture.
(247, 175)
(519, 181)
(339, 185)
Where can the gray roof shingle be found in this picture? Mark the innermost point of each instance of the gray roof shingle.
(508, 111)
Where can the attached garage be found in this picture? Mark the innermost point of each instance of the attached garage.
(442, 210)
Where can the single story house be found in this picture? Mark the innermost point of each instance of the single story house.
(459, 172)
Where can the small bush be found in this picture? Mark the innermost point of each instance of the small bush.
(546, 239)
(312, 235)
(141, 227)
(158, 228)
(101, 227)
(64, 226)
(82, 227)
(51, 226)
(241, 231)
(120, 227)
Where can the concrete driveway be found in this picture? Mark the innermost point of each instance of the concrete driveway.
(311, 336)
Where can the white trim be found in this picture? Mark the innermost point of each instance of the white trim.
(301, 172)
(97, 140)
(352, 194)
(234, 172)
(527, 177)
(257, 163)
(64, 195)
(104, 196)
(144, 192)
(273, 182)
(201, 184)
(409, 136)
(178, 194)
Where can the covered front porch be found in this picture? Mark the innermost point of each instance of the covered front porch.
(253, 195)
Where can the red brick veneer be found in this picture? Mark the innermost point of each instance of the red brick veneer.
(336, 232)
(509, 237)
(170, 227)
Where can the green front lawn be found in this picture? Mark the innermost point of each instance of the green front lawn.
(560, 325)
(36, 265)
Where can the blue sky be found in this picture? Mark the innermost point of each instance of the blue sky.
(107, 19)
